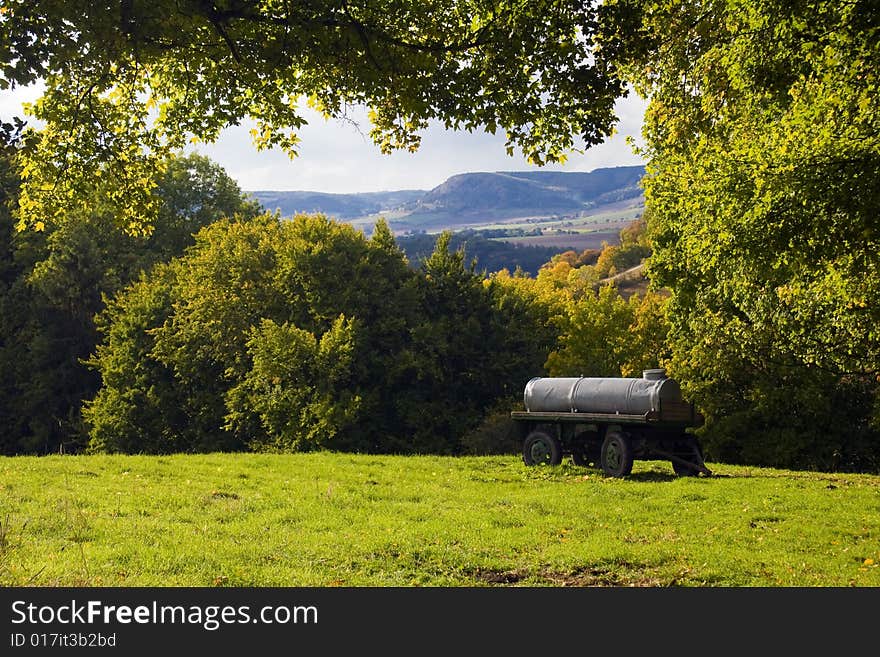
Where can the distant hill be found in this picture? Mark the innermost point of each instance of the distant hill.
(530, 192)
(341, 206)
(469, 199)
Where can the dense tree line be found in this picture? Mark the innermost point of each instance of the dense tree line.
(304, 334)
(227, 329)
(490, 255)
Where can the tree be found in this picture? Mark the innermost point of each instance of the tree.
(28, 399)
(130, 82)
(86, 259)
(607, 335)
(266, 334)
(298, 387)
(449, 340)
(140, 406)
(194, 192)
(55, 281)
(40, 377)
(764, 188)
(474, 341)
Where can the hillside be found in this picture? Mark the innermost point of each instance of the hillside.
(471, 199)
(341, 206)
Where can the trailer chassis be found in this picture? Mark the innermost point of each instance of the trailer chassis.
(611, 441)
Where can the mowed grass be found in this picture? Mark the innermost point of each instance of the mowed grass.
(329, 519)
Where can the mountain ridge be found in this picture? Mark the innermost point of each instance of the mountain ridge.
(468, 198)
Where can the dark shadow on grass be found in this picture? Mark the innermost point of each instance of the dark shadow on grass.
(618, 573)
(663, 476)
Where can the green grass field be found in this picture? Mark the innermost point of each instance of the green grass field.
(355, 520)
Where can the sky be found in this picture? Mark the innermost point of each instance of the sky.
(337, 157)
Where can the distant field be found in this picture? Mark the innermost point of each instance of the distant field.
(611, 216)
(355, 520)
(576, 242)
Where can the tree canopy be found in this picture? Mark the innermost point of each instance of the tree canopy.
(53, 282)
(128, 82)
(763, 135)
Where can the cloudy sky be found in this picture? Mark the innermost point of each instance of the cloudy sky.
(337, 157)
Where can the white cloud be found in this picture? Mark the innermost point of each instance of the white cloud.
(336, 157)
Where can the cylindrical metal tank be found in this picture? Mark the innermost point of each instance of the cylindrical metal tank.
(601, 395)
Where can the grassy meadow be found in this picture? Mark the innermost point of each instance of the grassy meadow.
(327, 519)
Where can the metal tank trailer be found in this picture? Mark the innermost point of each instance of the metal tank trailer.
(609, 423)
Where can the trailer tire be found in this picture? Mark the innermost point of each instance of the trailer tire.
(540, 448)
(617, 456)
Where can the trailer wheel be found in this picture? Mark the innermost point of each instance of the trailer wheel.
(541, 448)
(617, 457)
